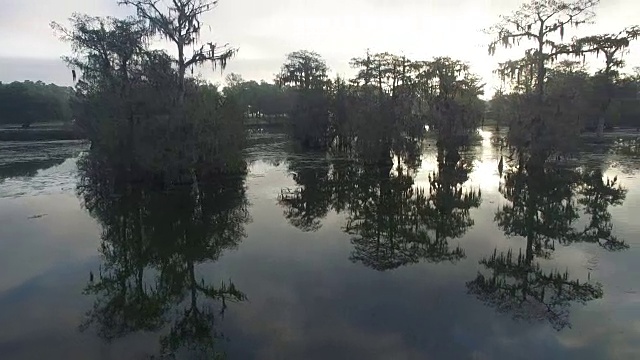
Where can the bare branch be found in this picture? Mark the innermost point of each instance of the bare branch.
(217, 56)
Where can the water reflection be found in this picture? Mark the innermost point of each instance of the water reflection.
(597, 195)
(543, 207)
(310, 202)
(153, 239)
(26, 169)
(625, 153)
(19, 159)
(391, 222)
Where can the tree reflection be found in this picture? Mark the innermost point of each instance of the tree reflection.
(450, 203)
(379, 218)
(311, 200)
(394, 223)
(153, 239)
(543, 206)
(597, 196)
(391, 221)
(518, 285)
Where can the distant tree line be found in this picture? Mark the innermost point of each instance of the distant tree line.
(28, 102)
(261, 99)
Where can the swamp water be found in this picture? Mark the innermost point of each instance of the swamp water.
(314, 256)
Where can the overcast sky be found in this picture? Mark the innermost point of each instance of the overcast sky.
(265, 31)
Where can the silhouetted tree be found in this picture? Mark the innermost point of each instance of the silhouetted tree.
(180, 21)
(613, 47)
(455, 109)
(571, 97)
(306, 73)
(537, 22)
(380, 112)
(125, 100)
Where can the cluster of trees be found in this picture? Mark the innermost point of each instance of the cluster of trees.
(139, 106)
(403, 97)
(28, 102)
(584, 91)
(392, 98)
(551, 96)
(383, 111)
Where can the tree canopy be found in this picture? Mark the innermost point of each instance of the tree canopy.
(548, 102)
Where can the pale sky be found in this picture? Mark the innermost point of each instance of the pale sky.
(265, 31)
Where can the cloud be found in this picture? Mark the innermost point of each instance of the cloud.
(338, 30)
(47, 70)
(25, 29)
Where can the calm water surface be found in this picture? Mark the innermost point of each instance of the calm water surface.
(314, 256)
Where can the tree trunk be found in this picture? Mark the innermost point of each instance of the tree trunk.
(538, 123)
(605, 105)
(181, 73)
(535, 163)
(600, 127)
(540, 73)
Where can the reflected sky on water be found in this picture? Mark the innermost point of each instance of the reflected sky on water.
(353, 264)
